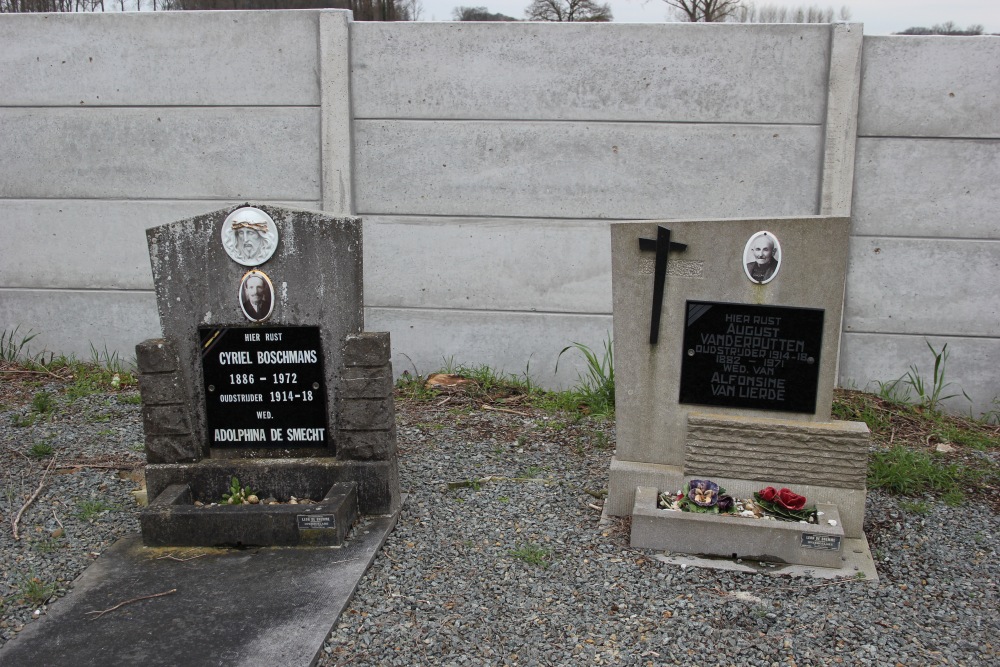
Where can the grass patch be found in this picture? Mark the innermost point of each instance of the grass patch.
(908, 472)
(130, 399)
(43, 402)
(88, 509)
(36, 592)
(921, 451)
(915, 506)
(532, 554)
(40, 450)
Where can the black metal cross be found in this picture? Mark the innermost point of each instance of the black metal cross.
(661, 245)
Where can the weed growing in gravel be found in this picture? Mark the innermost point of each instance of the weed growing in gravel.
(532, 472)
(40, 450)
(915, 506)
(88, 509)
(43, 402)
(532, 554)
(35, 591)
(46, 546)
(24, 420)
(131, 399)
(138, 447)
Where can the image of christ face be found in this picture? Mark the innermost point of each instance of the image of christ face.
(255, 291)
(248, 242)
(763, 249)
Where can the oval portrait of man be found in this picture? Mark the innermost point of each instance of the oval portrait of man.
(249, 236)
(762, 257)
(256, 296)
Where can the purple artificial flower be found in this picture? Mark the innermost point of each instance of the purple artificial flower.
(703, 492)
(726, 503)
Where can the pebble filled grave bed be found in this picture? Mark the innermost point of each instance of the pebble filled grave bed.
(500, 555)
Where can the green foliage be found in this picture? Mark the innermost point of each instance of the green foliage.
(965, 437)
(40, 450)
(915, 506)
(131, 399)
(35, 591)
(597, 386)
(14, 346)
(24, 420)
(930, 392)
(237, 495)
(88, 509)
(533, 554)
(531, 472)
(907, 472)
(43, 402)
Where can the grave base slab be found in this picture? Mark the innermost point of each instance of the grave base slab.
(172, 520)
(259, 606)
(819, 545)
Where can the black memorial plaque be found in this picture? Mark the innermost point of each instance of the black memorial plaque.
(264, 387)
(747, 356)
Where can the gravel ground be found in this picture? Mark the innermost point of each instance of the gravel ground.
(517, 569)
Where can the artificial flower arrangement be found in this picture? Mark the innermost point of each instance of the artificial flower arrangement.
(707, 497)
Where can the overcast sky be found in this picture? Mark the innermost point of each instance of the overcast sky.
(880, 17)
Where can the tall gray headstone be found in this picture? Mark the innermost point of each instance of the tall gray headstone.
(726, 337)
(264, 371)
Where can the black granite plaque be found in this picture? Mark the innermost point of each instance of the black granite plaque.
(264, 387)
(823, 542)
(746, 356)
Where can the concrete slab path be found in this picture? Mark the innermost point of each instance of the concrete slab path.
(256, 606)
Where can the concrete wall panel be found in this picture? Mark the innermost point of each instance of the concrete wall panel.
(88, 244)
(867, 359)
(927, 187)
(930, 87)
(493, 264)
(586, 170)
(934, 286)
(176, 153)
(166, 58)
(427, 340)
(70, 321)
(532, 71)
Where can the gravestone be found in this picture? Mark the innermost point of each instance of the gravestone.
(726, 336)
(264, 373)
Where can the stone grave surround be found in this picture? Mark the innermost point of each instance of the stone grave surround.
(309, 266)
(663, 441)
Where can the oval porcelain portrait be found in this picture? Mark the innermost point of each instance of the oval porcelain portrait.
(256, 296)
(762, 257)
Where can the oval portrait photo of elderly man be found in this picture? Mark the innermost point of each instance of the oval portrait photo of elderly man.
(256, 296)
(762, 257)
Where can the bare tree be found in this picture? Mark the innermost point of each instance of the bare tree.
(568, 10)
(708, 11)
(750, 12)
(946, 28)
(477, 14)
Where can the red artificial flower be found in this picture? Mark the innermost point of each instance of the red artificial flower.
(767, 494)
(789, 500)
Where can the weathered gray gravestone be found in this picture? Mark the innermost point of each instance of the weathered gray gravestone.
(264, 373)
(727, 334)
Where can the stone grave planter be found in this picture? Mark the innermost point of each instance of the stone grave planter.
(818, 545)
(172, 519)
